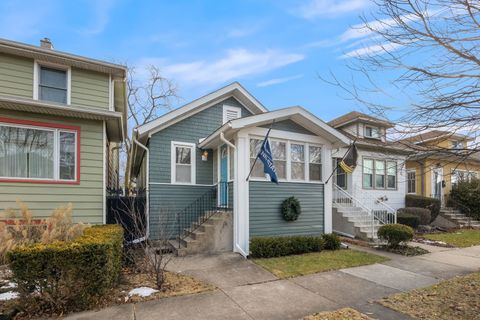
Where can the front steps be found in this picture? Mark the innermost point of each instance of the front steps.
(458, 218)
(356, 222)
(214, 235)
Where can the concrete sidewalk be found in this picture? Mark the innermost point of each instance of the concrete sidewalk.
(246, 291)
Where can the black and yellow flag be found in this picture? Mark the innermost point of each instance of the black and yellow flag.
(349, 161)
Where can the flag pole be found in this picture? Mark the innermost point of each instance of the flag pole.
(254, 162)
(343, 158)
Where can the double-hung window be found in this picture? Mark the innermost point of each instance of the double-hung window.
(411, 181)
(372, 132)
(379, 174)
(183, 163)
(38, 153)
(315, 163)
(391, 175)
(297, 158)
(367, 173)
(53, 84)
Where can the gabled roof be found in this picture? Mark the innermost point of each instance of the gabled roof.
(232, 90)
(296, 114)
(435, 135)
(378, 145)
(356, 116)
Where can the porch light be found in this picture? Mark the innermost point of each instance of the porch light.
(205, 155)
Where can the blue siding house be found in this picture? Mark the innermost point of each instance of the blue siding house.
(194, 162)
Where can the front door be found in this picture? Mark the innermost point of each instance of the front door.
(223, 184)
(437, 178)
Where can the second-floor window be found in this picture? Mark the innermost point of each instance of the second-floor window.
(372, 132)
(52, 85)
(457, 144)
(379, 174)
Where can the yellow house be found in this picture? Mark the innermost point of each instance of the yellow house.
(439, 160)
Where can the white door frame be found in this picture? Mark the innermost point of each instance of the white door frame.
(440, 171)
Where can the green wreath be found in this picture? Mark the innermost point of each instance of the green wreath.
(291, 209)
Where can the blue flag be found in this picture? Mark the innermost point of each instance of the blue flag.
(265, 155)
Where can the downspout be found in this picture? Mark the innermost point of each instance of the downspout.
(147, 188)
(231, 145)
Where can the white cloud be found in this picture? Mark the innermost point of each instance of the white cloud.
(235, 64)
(278, 80)
(327, 8)
(374, 49)
(100, 17)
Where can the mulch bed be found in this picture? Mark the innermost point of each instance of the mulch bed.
(404, 250)
(340, 314)
(435, 243)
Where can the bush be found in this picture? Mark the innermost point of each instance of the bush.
(332, 241)
(67, 276)
(395, 234)
(424, 202)
(408, 219)
(467, 194)
(266, 247)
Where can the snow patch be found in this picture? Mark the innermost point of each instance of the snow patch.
(142, 292)
(9, 285)
(10, 295)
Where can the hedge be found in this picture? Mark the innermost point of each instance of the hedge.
(267, 247)
(408, 219)
(433, 204)
(395, 234)
(424, 215)
(69, 276)
(466, 197)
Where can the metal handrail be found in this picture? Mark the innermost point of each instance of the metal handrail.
(378, 201)
(462, 207)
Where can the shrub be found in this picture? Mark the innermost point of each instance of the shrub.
(266, 247)
(423, 214)
(395, 234)
(432, 204)
(332, 241)
(20, 228)
(467, 194)
(408, 219)
(66, 276)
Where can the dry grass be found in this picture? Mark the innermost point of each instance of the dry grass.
(457, 298)
(459, 238)
(340, 314)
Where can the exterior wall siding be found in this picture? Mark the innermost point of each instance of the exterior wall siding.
(289, 125)
(86, 197)
(16, 76)
(189, 130)
(90, 89)
(265, 209)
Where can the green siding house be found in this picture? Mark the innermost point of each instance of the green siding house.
(210, 145)
(62, 117)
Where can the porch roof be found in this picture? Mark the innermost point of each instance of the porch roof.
(296, 114)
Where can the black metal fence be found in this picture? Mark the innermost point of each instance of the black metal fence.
(128, 211)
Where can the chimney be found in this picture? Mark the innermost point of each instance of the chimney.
(46, 43)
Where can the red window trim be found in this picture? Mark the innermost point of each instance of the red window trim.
(45, 125)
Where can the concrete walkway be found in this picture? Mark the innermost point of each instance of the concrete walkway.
(246, 291)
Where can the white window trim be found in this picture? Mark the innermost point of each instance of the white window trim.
(56, 152)
(289, 161)
(227, 108)
(111, 88)
(36, 77)
(385, 175)
(415, 172)
(372, 137)
(173, 163)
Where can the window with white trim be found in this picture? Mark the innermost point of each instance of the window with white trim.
(411, 181)
(52, 84)
(391, 174)
(315, 163)
(183, 163)
(457, 145)
(379, 174)
(462, 175)
(231, 113)
(372, 132)
(37, 153)
(297, 158)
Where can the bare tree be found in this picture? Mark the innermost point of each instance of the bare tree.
(424, 55)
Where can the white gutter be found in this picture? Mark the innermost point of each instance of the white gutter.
(147, 186)
(231, 145)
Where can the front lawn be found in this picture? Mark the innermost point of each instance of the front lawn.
(299, 265)
(340, 314)
(459, 238)
(457, 298)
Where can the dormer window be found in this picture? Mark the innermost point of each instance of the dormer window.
(231, 113)
(372, 132)
(457, 144)
(52, 83)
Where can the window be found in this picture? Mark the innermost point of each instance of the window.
(367, 173)
(315, 163)
(183, 163)
(462, 175)
(411, 182)
(52, 85)
(372, 132)
(391, 175)
(297, 158)
(379, 174)
(340, 176)
(289, 156)
(231, 113)
(457, 144)
(36, 153)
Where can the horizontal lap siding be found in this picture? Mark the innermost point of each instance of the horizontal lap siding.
(289, 125)
(90, 89)
(86, 198)
(16, 76)
(165, 202)
(265, 209)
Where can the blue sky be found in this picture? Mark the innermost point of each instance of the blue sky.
(276, 49)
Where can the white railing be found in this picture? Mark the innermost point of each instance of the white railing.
(343, 199)
(382, 212)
